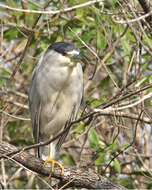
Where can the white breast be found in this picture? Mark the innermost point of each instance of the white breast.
(60, 89)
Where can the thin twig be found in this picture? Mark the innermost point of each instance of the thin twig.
(146, 8)
(81, 178)
(15, 117)
(121, 151)
(52, 12)
(28, 41)
(97, 113)
(130, 20)
(127, 106)
(127, 96)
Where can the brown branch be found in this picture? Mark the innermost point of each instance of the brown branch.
(123, 150)
(28, 41)
(52, 12)
(126, 96)
(144, 4)
(97, 113)
(78, 177)
(146, 120)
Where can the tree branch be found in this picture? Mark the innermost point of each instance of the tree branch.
(146, 7)
(72, 176)
(52, 12)
(46, 4)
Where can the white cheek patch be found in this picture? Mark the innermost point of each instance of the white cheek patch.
(64, 59)
(73, 52)
(71, 64)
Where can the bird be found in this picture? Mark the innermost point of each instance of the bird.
(55, 95)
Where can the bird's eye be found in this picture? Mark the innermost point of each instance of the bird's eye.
(64, 54)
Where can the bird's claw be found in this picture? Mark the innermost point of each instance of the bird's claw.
(53, 163)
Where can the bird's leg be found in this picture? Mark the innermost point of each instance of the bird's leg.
(53, 162)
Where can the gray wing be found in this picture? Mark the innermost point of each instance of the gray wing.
(35, 107)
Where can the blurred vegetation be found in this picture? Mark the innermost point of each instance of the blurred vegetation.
(114, 143)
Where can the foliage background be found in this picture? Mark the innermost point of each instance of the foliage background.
(116, 142)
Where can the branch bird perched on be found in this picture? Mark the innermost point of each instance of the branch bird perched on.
(55, 95)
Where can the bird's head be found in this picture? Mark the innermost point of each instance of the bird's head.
(65, 53)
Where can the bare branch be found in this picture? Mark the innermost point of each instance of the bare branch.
(78, 177)
(146, 9)
(138, 101)
(133, 141)
(121, 21)
(51, 11)
(28, 41)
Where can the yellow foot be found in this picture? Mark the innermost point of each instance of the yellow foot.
(53, 163)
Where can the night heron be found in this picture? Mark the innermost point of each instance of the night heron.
(55, 95)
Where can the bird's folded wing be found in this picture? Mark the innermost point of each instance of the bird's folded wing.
(35, 108)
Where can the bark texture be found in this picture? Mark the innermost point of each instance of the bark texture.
(146, 7)
(76, 177)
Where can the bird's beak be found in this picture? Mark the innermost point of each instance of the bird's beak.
(77, 57)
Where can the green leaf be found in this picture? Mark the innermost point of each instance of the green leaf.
(93, 138)
(104, 82)
(95, 102)
(67, 159)
(101, 42)
(11, 34)
(117, 148)
(79, 13)
(43, 45)
(111, 147)
(116, 165)
(100, 159)
(130, 36)
(79, 128)
(12, 3)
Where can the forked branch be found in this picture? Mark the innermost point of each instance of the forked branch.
(72, 176)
